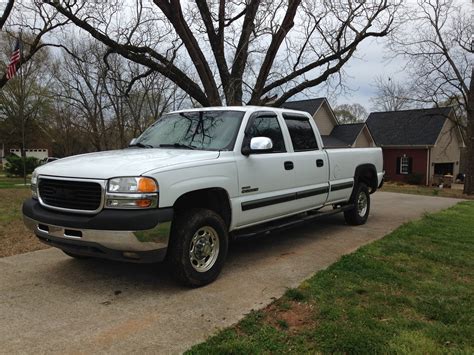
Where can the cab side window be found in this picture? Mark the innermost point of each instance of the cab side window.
(266, 125)
(301, 133)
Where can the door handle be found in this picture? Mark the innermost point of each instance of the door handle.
(319, 163)
(289, 165)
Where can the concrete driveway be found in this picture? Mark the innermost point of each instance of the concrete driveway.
(52, 303)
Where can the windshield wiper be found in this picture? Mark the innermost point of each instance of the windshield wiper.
(141, 145)
(177, 145)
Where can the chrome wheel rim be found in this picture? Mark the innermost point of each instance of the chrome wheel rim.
(204, 249)
(362, 204)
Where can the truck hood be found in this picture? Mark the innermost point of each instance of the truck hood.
(125, 162)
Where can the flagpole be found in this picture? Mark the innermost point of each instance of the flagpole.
(21, 109)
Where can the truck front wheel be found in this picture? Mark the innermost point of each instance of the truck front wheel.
(198, 246)
(361, 201)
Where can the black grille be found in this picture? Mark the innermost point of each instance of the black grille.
(76, 195)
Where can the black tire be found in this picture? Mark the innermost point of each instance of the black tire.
(75, 256)
(193, 241)
(358, 215)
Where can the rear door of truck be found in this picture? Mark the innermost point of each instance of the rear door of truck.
(310, 161)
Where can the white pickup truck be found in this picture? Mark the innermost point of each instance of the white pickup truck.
(192, 181)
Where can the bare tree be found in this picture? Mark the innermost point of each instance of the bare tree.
(233, 51)
(350, 113)
(437, 44)
(80, 86)
(149, 99)
(24, 104)
(35, 21)
(134, 107)
(391, 95)
(105, 97)
(66, 136)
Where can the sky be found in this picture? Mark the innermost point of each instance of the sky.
(375, 60)
(372, 60)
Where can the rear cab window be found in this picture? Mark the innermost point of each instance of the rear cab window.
(301, 133)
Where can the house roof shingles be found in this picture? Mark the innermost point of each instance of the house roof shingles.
(410, 127)
(310, 106)
(347, 133)
(333, 142)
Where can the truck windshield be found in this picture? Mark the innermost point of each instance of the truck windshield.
(203, 130)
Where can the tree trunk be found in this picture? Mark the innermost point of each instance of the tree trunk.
(469, 181)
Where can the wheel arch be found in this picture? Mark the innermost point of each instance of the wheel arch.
(213, 198)
(366, 173)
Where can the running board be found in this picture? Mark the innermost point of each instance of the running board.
(286, 223)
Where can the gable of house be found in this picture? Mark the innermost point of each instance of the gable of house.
(325, 119)
(449, 141)
(445, 156)
(364, 139)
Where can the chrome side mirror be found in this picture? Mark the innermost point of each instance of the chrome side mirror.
(261, 143)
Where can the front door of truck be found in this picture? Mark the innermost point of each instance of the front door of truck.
(265, 179)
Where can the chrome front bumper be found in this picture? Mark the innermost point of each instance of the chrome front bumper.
(77, 235)
(151, 239)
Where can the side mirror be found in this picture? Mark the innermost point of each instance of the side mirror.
(258, 145)
(133, 141)
(261, 143)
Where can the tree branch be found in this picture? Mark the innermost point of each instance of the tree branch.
(139, 55)
(6, 13)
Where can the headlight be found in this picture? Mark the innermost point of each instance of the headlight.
(34, 185)
(132, 192)
(133, 184)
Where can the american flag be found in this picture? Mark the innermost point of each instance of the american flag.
(14, 60)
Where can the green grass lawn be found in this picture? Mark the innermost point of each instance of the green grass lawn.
(410, 292)
(13, 182)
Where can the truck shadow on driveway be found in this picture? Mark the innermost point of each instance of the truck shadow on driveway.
(85, 275)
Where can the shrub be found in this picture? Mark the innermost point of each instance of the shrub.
(14, 165)
(415, 178)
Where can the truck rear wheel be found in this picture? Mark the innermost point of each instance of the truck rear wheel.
(198, 247)
(361, 201)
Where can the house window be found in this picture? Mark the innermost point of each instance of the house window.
(404, 165)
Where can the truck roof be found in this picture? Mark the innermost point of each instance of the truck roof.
(241, 108)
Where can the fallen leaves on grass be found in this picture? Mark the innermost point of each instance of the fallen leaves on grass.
(15, 238)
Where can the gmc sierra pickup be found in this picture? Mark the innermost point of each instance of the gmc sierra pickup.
(194, 180)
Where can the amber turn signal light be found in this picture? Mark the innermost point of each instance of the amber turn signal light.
(143, 203)
(147, 185)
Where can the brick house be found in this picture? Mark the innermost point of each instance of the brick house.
(417, 145)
